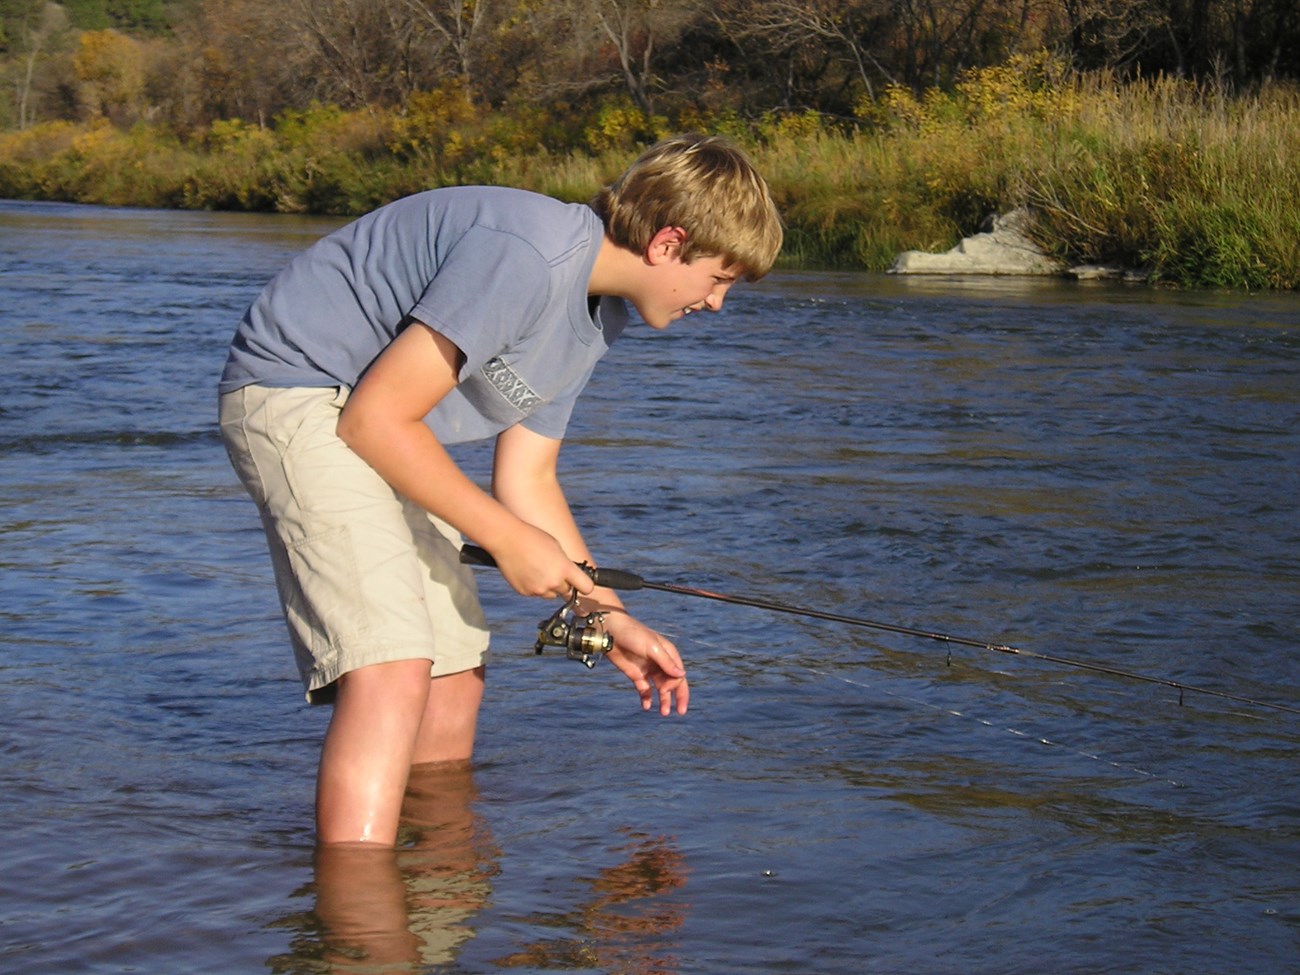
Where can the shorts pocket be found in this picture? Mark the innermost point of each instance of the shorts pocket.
(327, 611)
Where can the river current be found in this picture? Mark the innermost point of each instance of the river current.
(1098, 472)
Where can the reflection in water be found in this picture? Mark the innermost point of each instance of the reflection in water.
(409, 908)
(625, 925)
(412, 909)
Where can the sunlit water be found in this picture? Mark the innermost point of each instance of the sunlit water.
(1098, 472)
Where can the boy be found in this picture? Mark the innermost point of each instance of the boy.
(456, 314)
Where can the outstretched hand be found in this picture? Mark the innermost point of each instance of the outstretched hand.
(650, 661)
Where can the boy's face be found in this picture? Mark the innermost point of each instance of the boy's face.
(679, 288)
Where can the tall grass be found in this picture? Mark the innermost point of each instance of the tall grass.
(1202, 188)
(1193, 186)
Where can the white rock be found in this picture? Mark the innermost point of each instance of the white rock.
(1004, 249)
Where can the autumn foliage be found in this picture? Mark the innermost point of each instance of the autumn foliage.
(1158, 135)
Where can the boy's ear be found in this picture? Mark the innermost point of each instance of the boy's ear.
(665, 245)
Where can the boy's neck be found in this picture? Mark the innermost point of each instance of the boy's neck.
(616, 271)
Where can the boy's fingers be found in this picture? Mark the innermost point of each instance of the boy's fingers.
(579, 579)
(681, 692)
(672, 662)
(674, 690)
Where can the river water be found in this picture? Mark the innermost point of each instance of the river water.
(1099, 472)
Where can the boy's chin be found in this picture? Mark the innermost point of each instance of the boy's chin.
(658, 320)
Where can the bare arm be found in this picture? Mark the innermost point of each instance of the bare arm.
(383, 423)
(526, 482)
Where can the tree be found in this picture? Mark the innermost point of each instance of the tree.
(110, 68)
(235, 59)
(30, 32)
(633, 28)
(1242, 40)
(255, 59)
(127, 15)
(809, 31)
(459, 25)
(369, 52)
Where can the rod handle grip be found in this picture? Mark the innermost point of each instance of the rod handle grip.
(473, 555)
(608, 578)
(617, 579)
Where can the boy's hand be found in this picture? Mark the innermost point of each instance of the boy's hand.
(534, 564)
(650, 661)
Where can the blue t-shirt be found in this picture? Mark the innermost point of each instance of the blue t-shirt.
(500, 272)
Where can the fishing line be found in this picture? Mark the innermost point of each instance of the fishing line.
(1025, 736)
(630, 581)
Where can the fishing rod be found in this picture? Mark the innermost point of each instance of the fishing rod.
(584, 638)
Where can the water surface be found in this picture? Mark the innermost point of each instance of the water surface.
(1101, 472)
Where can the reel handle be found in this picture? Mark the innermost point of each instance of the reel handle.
(608, 578)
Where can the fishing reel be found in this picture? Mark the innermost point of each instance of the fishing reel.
(582, 636)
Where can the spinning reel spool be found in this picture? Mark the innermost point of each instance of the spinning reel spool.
(581, 636)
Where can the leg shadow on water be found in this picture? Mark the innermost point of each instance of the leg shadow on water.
(406, 909)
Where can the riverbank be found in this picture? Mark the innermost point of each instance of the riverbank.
(1181, 182)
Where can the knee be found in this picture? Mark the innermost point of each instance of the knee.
(399, 684)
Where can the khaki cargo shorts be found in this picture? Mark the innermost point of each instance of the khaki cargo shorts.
(364, 576)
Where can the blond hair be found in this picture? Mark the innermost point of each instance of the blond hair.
(706, 186)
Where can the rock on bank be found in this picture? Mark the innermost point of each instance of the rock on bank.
(1004, 248)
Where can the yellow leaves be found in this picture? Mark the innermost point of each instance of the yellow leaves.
(110, 68)
(88, 141)
(620, 125)
(37, 142)
(1034, 85)
(897, 107)
(1037, 86)
(104, 55)
(792, 125)
(436, 123)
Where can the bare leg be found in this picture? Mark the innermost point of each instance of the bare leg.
(450, 718)
(388, 717)
(368, 752)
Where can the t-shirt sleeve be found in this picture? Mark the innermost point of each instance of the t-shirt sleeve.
(552, 419)
(488, 291)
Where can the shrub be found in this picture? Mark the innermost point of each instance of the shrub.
(1196, 186)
